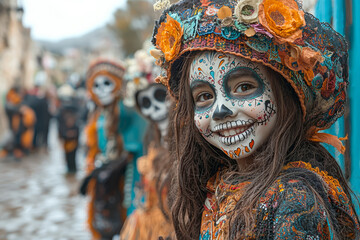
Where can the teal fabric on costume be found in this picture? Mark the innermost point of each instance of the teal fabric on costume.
(132, 127)
(101, 134)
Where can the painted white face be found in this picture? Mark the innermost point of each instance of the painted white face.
(103, 88)
(152, 102)
(234, 105)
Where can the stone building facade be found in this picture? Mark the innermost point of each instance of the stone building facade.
(17, 63)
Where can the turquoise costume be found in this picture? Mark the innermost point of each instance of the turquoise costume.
(132, 128)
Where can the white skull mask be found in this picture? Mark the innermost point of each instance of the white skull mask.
(103, 88)
(152, 102)
(234, 104)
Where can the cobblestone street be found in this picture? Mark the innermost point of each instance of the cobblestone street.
(38, 200)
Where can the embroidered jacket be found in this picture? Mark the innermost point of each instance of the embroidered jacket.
(288, 209)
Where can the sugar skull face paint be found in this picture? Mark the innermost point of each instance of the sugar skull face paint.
(153, 104)
(103, 88)
(234, 105)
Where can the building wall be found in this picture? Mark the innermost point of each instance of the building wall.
(16, 58)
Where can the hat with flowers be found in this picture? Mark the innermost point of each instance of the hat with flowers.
(141, 73)
(309, 54)
(101, 67)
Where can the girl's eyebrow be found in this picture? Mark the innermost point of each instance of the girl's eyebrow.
(198, 83)
(241, 72)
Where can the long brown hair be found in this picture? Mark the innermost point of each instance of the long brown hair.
(197, 160)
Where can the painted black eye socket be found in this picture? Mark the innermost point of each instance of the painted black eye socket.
(96, 85)
(107, 83)
(145, 102)
(160, 95)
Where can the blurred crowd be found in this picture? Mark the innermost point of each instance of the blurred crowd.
(30, 111)
(123, 115)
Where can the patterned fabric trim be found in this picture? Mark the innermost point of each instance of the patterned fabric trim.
(288, 209)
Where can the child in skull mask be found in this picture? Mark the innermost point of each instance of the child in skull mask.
(151, 218)
(105, 166)
(254, 81)
(115, 134)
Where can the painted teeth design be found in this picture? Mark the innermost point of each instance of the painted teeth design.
(233, 124)
(229, 139)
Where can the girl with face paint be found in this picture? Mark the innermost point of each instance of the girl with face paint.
(252, 85)
(235, 109)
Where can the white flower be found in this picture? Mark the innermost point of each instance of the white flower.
(161, 4)
(247, 11)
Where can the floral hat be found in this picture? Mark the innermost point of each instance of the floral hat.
(309, 54)
(141, 73)
(110, 69)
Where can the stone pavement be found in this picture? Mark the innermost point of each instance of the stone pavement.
(38, 200)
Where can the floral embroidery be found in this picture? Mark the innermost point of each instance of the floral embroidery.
(227, 33)
(176, 17)
(317, 82)
(206, 28)
(303, 59)
(169, 37)
(287, 207)
(260, 29)
(240, 26)
(211, 11)
(205, 236)
(205, 3)
(274, 53)
(258, 43)
(282, 18)
(328, 63)
(328, 85)
(190, 26)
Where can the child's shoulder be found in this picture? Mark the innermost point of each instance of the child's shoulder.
(295, 190)
(300, 179)
(305, 199)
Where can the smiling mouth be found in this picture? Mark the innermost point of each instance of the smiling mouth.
(235, 131)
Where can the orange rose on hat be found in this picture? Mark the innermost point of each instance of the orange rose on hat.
(169, 37)
(282, 18)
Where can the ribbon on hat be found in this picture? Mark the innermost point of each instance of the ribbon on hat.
(316, 136)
